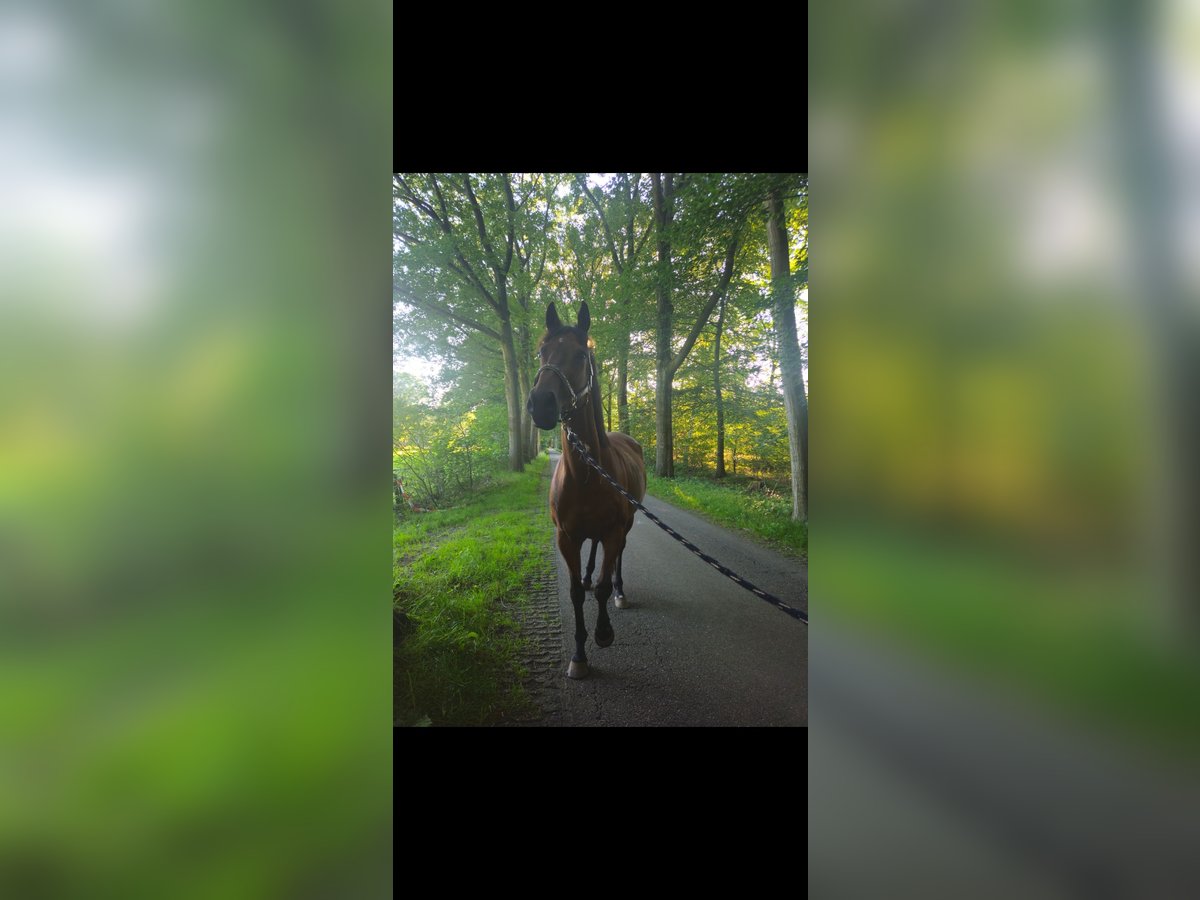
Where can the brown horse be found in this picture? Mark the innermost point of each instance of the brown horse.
(582, 504)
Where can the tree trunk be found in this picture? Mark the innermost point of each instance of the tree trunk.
(630, 295)
(512, 394)
(790, 368)
(623, 385)
(664, 463)
(1144, 184)
(664, 443)
(717, 390)
(528, 429)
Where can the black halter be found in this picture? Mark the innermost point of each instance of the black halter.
(575, 398)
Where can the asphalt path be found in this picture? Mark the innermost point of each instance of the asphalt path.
(925, 784)
(693, 648)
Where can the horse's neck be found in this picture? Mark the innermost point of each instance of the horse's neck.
(585, 429)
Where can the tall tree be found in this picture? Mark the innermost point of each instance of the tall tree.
(790, 364)
(664, 212)
(715, 219)
(622, 214)
(1145, 187)
(456, 241)
(717, 393)
(533, 248)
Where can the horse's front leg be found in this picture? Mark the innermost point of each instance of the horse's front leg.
(591, 566)
(614, 544)
(569, 548)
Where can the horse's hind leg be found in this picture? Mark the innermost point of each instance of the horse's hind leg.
(619, 600)
(614, 544)
(619, 585)
(587, 578)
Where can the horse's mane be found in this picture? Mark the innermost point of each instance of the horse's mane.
(594, 398)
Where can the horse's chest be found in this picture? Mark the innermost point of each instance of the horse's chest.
(581, 514)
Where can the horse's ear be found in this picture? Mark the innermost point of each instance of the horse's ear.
(585, 316)
(552, 320)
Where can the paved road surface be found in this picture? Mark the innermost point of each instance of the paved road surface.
(922, 785)
(693, 648)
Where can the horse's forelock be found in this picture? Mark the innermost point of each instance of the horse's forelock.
(580, 336)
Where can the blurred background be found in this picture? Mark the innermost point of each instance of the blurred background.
(1005, 683)
(1004, 678)
(194, 321)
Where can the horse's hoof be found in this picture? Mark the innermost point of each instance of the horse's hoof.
(620, 602)
(587, 585)
(605, 637)
(577, 669)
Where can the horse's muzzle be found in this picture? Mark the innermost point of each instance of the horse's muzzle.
(543, 407)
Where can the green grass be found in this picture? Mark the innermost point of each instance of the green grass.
(1073, 639)
(765, 514)
(460, 575)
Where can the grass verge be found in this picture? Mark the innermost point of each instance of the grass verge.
(460, 576)
(1069, 639)
(764, 513)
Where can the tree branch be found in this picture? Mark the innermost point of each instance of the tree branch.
(467, 272)
(445, 314)
(493, 260)
(545, 246)
(411, 196)
(612, 247)
(530, 193)
(410, 239)
(645, 234)
(472, 279)
(512, 222)
(718, 292)
(541, 266)
(437, 189)
(630, 227)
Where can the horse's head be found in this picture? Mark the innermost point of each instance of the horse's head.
(565, 378)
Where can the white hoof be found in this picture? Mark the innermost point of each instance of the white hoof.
(577, 669)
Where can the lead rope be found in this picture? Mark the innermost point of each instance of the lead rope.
(727, 572)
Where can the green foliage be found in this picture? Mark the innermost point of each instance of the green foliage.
(446, 283)
(753, 506)
(460, 576)
(445, 452)
(591, 237)
(1065, 637)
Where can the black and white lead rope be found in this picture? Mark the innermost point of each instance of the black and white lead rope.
(728, 573)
